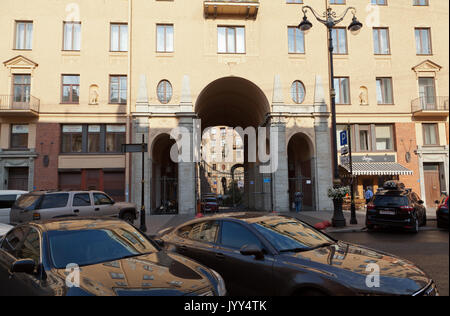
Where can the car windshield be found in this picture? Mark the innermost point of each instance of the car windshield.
(289, 234)
(390, 200)
(91, 246)
(27, 201)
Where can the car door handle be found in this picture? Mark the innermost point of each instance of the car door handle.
(220, 256)
(76, 211)
(97, 209)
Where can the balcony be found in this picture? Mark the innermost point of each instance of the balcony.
(430, 106)
(246, 9)
(10, 107)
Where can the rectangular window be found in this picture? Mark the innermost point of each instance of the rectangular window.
(420, 2)
(427, 93)
(364, 138)
(337, 1)
(72, 36)
(384, 137)
(21, 89)
(19, 137)
(118, 89)
(119, 37)
(164, 36)
(296, 41)
(24, 35)
(94, 138)
(339, 41)
(378, 2)
(384, 91)
(231, 39)
(423, 41)
(70, 89)
(430, 134)
(72, 139)
(381, 41)
(342, 88)
(115, 137)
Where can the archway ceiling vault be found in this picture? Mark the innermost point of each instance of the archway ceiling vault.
(233, 102)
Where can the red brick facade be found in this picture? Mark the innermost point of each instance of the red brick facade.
(406, 142)
(48, 140)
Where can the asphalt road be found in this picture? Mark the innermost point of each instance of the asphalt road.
(429, 249)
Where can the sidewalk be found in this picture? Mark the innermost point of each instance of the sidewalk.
(315, 217)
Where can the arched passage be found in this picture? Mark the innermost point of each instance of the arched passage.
(164, 176)
(237, 102)
(300, 167)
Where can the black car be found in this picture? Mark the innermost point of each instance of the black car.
(395, 206)
(265, 254)
(442, 213)
(84, 257)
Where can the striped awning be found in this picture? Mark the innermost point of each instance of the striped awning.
(378, 169)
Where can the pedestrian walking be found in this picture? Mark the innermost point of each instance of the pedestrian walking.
(298, 201)
(368, 195)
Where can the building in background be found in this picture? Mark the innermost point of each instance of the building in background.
(80, 78)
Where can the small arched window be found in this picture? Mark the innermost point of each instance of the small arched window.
(164, 91)
(298, 92)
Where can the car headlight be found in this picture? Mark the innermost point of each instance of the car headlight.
(221, 289)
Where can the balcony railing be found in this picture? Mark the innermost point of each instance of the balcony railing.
(247, 9)
(8, 103)
(430, 105)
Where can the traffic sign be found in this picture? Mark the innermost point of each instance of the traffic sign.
(344, 150)
(344, 138)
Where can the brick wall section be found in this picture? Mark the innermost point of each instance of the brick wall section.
(406, 141)
(47, 143)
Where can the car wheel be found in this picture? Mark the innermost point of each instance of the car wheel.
(128, 217)
(424, 220)
(415, 228)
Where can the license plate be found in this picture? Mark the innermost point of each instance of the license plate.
(387, 212)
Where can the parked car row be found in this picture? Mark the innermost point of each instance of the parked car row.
(84, 257)
(20, 207)
(261, 254)
(442, 213)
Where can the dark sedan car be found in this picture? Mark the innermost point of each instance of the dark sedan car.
(395, 206)
(96, 257)
(261, 254)
(442, 213)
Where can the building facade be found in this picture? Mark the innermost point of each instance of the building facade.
(81, 78)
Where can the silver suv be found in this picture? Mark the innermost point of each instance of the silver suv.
(43, 205)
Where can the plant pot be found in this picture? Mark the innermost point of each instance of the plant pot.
(338, 216)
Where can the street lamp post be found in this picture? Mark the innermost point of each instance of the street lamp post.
(330, 19)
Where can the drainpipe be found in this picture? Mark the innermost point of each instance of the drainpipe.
(128, 117)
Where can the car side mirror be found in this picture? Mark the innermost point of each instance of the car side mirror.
(420, 202)
(252, 250)
(437, 202)
(23, 266)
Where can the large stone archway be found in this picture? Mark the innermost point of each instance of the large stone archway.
(239, 103)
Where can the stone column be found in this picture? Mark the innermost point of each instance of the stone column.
(280, 177)
(141, 127)
(186, 171)
(323, 156)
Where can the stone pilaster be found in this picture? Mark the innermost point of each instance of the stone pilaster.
(186, 172)
(141, 127)
(280, 177)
